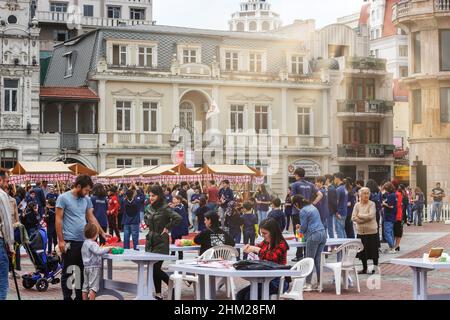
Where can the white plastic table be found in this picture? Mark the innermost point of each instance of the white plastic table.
(255, 277)
(144, 287)
(291, 243)
(420, 272)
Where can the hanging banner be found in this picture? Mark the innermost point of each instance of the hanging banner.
(311, 167)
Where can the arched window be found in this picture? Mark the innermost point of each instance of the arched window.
(253, 26)
(8, 158)
(266, 26)
(240, 26)
(187, 116)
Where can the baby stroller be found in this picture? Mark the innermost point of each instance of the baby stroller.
(48, 267)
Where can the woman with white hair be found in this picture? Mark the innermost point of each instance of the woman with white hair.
(364, 215)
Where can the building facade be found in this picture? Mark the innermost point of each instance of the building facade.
(63, 19)
(428, 26)
(19, 83)
(361, 107)
(255, 16)
(158, 83)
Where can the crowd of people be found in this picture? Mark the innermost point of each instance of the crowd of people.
(334, 206)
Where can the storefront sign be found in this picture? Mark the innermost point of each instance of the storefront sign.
(402, 172)
(312, 168)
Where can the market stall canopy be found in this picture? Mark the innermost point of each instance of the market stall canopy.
(171, 169)
(78, 168)
(29, 167)
(39, 171)
(229, 170)
(236, 174)
(107, 173)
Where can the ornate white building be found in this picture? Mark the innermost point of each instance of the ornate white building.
(64, 19)
(255, 16)
(19, 83)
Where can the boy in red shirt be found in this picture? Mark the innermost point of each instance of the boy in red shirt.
(113, 212)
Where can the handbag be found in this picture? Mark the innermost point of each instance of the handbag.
(252, 265)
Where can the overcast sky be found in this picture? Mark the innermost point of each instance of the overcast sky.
(214, 14)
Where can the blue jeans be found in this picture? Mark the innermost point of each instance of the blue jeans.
(340, 227)
(330, 225)
(389, 233)
(314, 248)
(133, 231)
(262, 215)
(211, 206)
(418, 215)
(4, 271)
(410, 213)
(436, 210)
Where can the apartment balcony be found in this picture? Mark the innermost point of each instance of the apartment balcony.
(70, 18)
(362, 64)
(405, 9)
(367, 152)
(68, 142)
(364, 108)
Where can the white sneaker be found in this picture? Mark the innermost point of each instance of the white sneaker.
(392, 251)
(307, 288)
(350, 282)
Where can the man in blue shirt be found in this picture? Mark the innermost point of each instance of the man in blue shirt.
(309, 191)
(40, 199)
(322, 206)
(73, 209)
(332, 204)
(342, 200)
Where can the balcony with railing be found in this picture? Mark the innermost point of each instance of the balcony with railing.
(365, 107)
(408, 8)
(71, 18)
(366, 151)
(362, 63)
(68, 142)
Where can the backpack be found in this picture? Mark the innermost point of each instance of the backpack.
(251, 265)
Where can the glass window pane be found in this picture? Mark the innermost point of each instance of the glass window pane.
(115, 55)
(119, 119)
(241, 121)
(153, 121)
(445, 105)
(127, 119)
(445, 50)
(417, 52)
(146, 120)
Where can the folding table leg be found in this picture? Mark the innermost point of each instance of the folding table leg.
(266, 289)
(253, 289)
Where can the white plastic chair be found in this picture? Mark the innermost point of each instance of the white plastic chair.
(348, 251)
(176, 279)
(227, 253)
(305, 266)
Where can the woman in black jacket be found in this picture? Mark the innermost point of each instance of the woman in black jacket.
(159, 219)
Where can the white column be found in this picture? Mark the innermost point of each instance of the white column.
(59, 117)
(102, 112)
(93, 117)
(175, 105)
(77, 108)
(284, 107)
(43, 105)
(215, 119)
(325, 114)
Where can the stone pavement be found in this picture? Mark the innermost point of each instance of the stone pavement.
(395, 282)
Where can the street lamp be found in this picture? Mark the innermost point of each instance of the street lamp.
(175, 138)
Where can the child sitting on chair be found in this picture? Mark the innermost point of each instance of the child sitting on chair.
(92, 260)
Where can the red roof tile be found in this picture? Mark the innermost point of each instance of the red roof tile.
(400, 92)
(364, 15)
(68, 93)
(388, 27)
